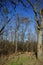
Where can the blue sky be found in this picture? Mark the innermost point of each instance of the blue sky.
(27, 12)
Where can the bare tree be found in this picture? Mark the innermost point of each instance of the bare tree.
(17, 23)
(24, 4)
(25, 22)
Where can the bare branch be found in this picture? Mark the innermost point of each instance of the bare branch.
(1, 31)
(14, 3)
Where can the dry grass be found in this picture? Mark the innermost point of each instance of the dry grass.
(20, 59)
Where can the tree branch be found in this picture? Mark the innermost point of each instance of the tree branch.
(32, 8)
(1, 31)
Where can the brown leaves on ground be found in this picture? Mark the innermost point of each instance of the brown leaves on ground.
(26, 58)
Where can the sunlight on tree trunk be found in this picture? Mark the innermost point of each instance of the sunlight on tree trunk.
(40, 37)
(39, 44)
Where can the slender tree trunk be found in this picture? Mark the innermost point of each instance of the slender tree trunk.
(16, 43)
(27, 46)
(16, 48)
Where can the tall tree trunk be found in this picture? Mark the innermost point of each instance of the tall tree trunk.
(39, 46)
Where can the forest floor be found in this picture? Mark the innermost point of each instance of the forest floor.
(26, 58)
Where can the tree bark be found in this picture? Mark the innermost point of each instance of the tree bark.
(39, 46)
